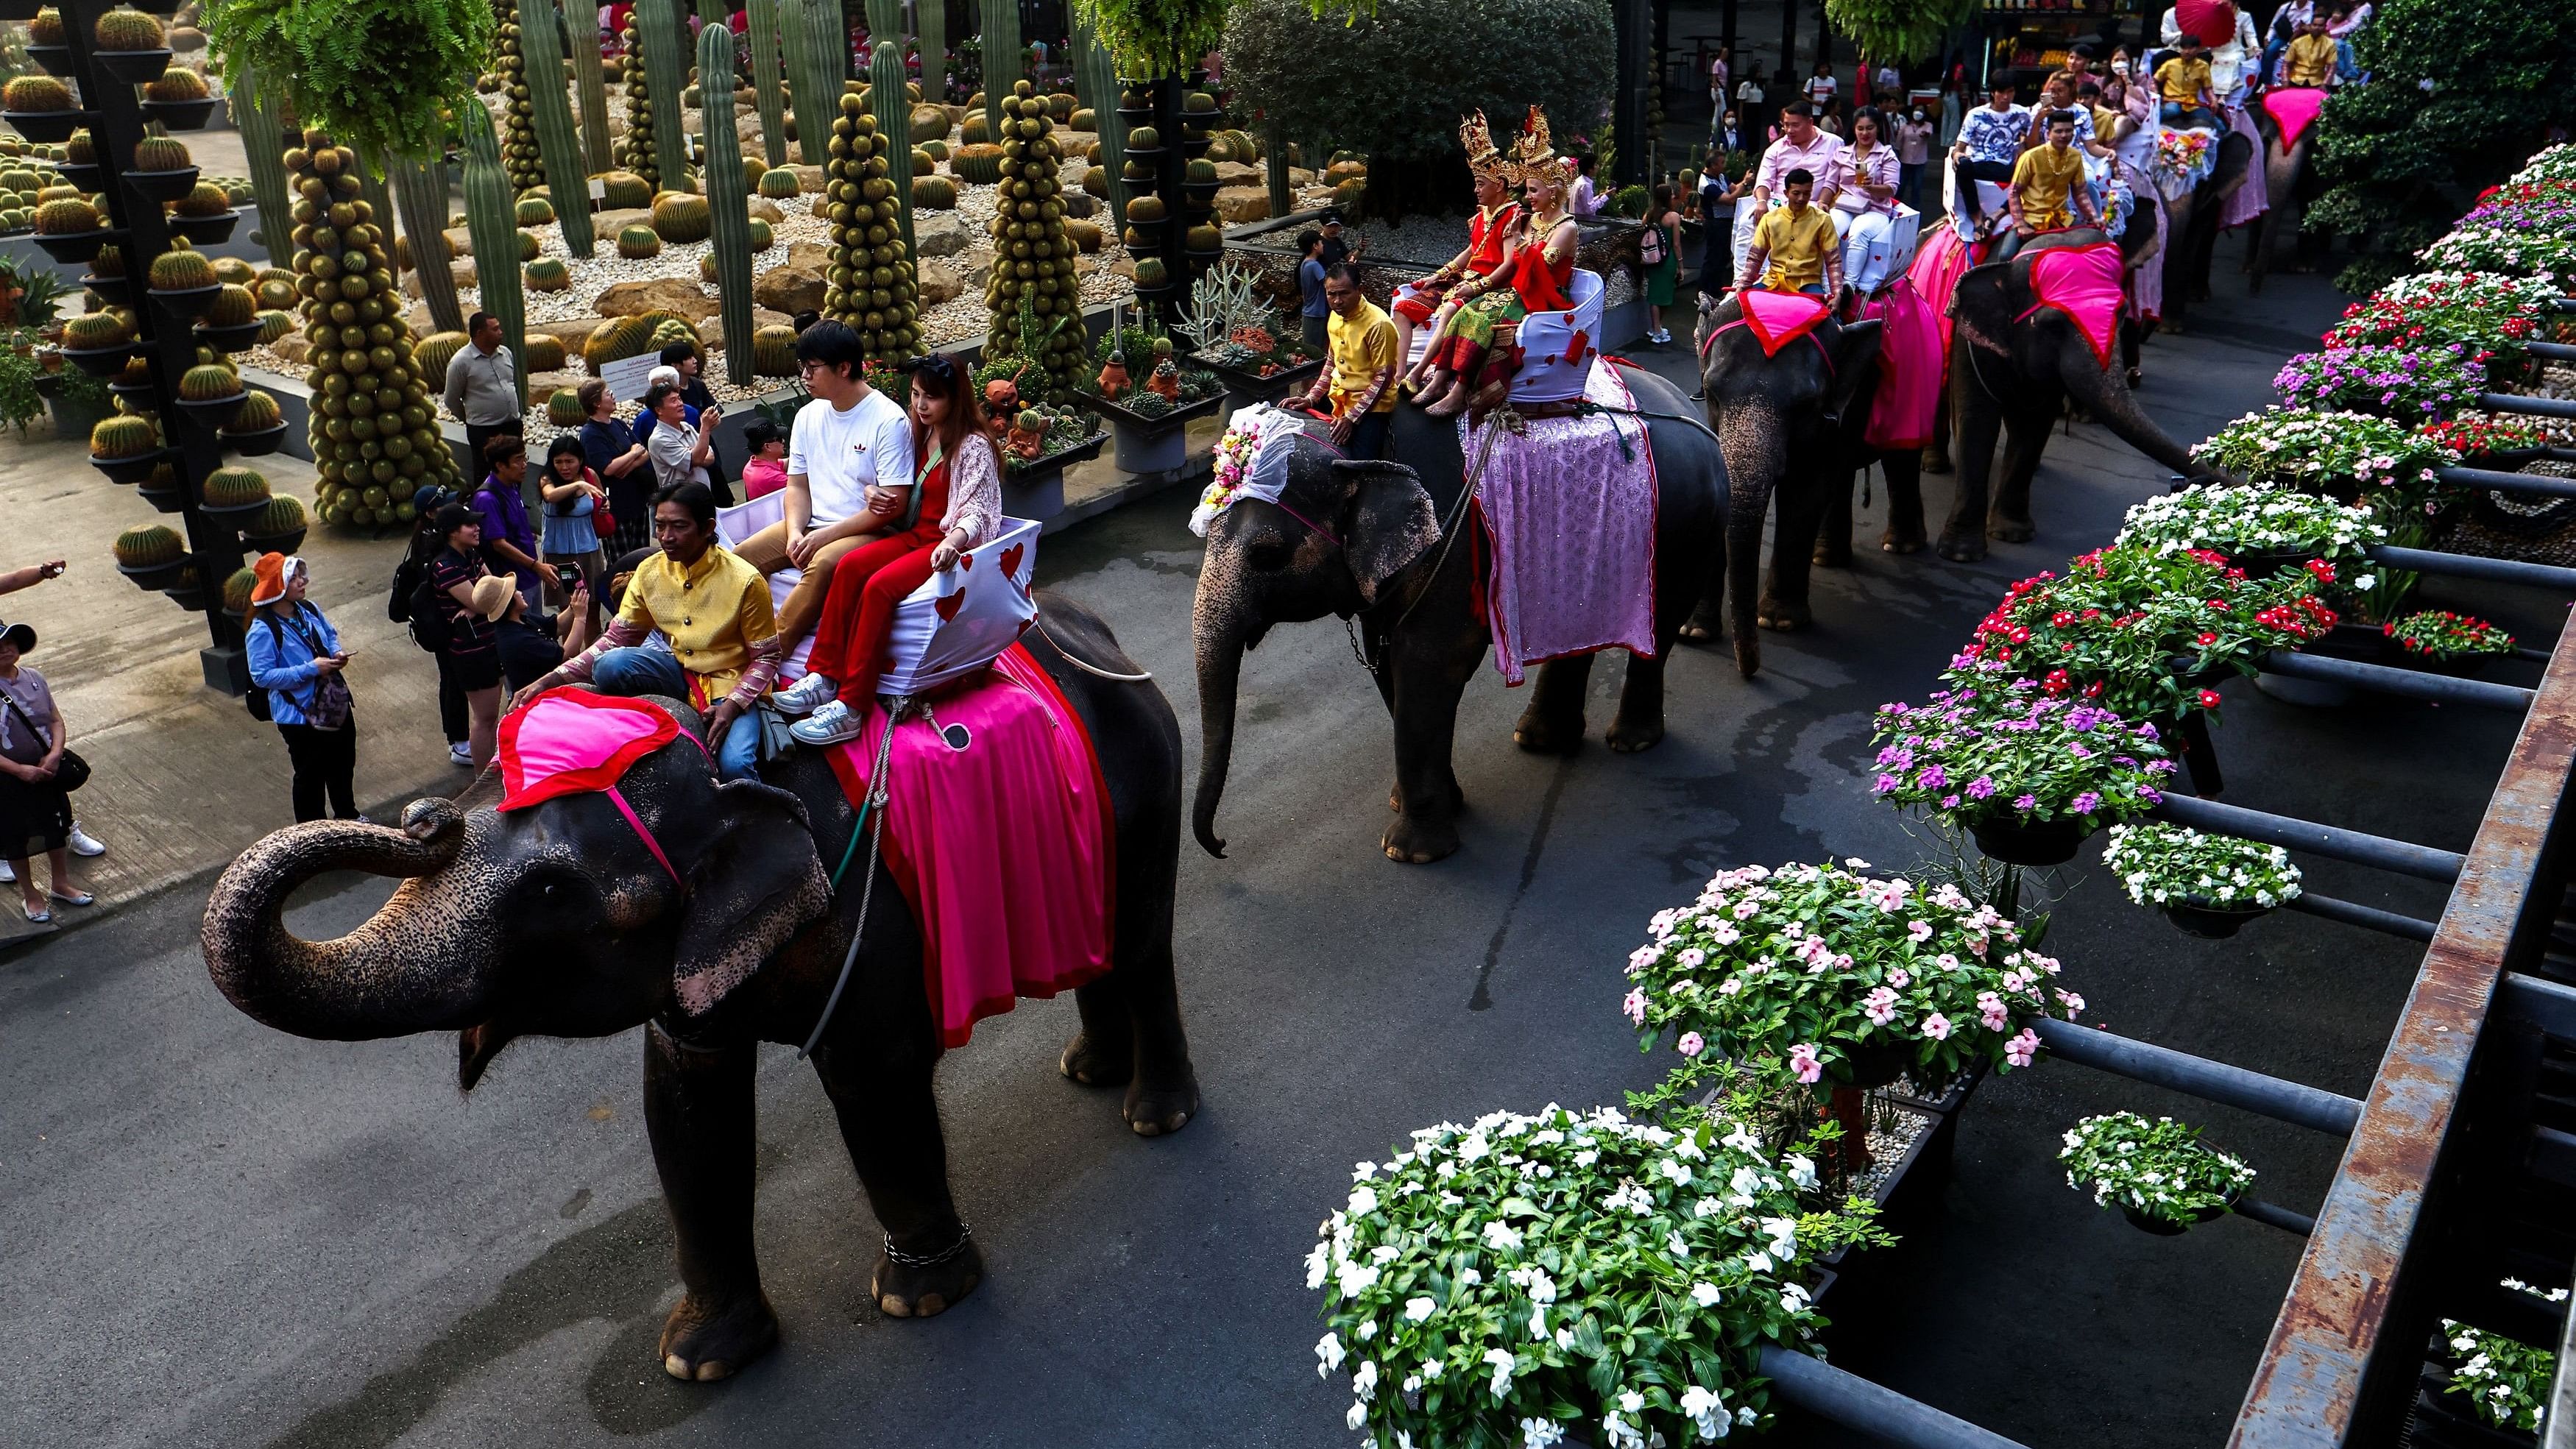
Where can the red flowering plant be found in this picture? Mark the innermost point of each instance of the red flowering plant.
(2479, 435)
(2481, 311)
(2139, 631)
(2440, 635)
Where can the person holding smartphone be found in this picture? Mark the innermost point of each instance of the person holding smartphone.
(295, 656)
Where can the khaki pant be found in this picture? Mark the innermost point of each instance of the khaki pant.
(767, 552)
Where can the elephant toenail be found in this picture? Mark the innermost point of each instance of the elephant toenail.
(894, 1307)
(677, 1367)
(712, 1370)
(932, 1304)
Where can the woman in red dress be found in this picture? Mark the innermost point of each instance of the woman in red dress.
(1491, 234)
(1480, 356)
(960, 484)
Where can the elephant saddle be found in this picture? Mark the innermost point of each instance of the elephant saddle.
(2084, 283)
(2293, 109)
(1567, 506)
(999, 833)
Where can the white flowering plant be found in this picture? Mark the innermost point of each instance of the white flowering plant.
(2506, 1380)
(2546, 255)
(2160, 864)
(2295, 446)
(1795, 972)
(2554, 163)
(2253, 519)
(2157, 1170)
(1498, 1285)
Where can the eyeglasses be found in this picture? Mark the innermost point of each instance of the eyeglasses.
(807, 369)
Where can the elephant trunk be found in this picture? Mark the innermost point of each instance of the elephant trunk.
(1753, 440)
(2100, 389)
(411, 967)
(1217, 627)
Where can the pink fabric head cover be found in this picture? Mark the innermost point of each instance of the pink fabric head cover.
(2293, 109)
(2084, 283)
(1780, 318)
(569, 741)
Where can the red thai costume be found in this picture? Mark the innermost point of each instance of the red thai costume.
(1492, 320)
(1488, 232)
(858, 613)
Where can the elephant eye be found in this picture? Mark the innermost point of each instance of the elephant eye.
(1269, 553)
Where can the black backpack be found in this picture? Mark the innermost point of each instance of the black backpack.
(414, 601)
(255, 698)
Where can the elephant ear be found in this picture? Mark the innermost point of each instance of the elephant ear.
(1387, 524)
(1855, 355)
(754, 883)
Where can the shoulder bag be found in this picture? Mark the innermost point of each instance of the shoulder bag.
(71, 771)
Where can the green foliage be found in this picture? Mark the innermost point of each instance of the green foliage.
(20, 404)
(380, 75)
(1155, 38)
(1298, 70)
(2465, 89)
(1898, 30)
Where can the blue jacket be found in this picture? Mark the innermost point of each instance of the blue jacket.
(281, 662)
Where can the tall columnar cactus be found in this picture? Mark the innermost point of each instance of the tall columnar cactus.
(892, 106)
(590, 78)
(761, 18)
(636, 152)
(491, 218)
(558, 142)
(885, 22)
(728, 204)
(1274, 161)
(1098, 74)
(1002, 59)
(420, 200)
(264, 141)
(818, 58)
(510, 65)
(666, 65)
(930, 22)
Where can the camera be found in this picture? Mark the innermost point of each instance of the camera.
(568, 575)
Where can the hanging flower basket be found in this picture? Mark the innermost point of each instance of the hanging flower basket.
(2158, 1174)
(2208, 885)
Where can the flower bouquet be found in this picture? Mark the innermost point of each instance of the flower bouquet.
(2506, 1381)
(1504, 1283)
(2408, 384)
(2261, 529)
(2447, 642)
(2029, 769)
(1829, 977)
(2209, 885)
(2183, 159)
(2142, 632)
(2158, 1174)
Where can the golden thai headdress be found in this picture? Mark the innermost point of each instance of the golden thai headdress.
(1483, 157)
(1534, 155)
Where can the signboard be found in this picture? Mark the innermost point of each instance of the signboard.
(629, 376)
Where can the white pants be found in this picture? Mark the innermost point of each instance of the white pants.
(1876, 246)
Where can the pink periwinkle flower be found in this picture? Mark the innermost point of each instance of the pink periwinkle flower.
(1635, 1006)
(1879, 1006)
(1691, 1044)
(2021, 1049)
(1937, 1027)
(1803, 1063)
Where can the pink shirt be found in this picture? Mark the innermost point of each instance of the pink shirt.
(762, 477)
(1846, 171)
(1820, 157)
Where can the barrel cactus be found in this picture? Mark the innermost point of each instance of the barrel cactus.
(92, 331)
(872, 284)
(1150, 272)
(545, 352)
(234, 488)
(149, 546)
(160, 153)
(238, 590)
(183, 270)
(35, 93)
(234, 306)
(534, 211)
(65, 218)
(547, 274)
(258, 413)
(773, 351)
(779, 185)
(672, 331)
(563, 408)
(1204, 239)
(979, 164)
(47, 27)
(209, 382)
(123, 436)
(934, 193)
(283, 515)
(274, 323)
(435, 351)
(1033, 292)
(680, 217)
(623, 337)
(373, 433)
(625, 191)
(761, 237)
(635, 243)
(173, 87)
(233, 271)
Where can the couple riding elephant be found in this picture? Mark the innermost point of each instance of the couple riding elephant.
(1792, 422)
(702, 910)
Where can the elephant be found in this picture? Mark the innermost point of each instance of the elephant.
(567, 918)
(2192, 223)
(1788, 426)
(2013, 365)
(1385, 565)
(2285, 177)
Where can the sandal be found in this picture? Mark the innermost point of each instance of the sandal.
(74, 898)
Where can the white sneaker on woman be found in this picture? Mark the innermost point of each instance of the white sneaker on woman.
(82, 843)
(7, 876)
(835, 723)
(805, 695)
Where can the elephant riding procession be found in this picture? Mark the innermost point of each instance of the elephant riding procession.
(986, 645)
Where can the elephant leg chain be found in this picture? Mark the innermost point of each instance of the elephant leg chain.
(900, 1258)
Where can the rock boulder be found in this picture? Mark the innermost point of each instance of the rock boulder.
(660, 294)
(1238, 204)
(939, 233)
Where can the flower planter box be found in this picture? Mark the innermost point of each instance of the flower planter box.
(1243, 388)
(2211, 923)
(1911, 1185)
(2029, 843)
(1155, 446)
(1035, 489)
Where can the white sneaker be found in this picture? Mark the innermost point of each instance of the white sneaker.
(83, 843)
(7, 876)
(461, 754)
(835, 723)
(805, 695)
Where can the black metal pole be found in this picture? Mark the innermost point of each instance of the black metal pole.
(2537, 407)
(2472, 566)
(2334, 842)
(2371, 918)
(2275, 1215)
(2510, 482)
(2286, 1101)
(2404, 683)
(1855, 1403)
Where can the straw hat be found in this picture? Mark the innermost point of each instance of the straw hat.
(492, 595)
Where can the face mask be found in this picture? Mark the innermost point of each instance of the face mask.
(1918, 115)
(2119, 67)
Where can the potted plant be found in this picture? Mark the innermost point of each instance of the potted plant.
(1238, 335)
(2494, 312)
(126, 448)
(2498, 443)
(41, 108)
(2439, 641)
(1033, 469)
(179, 99)
(1522, 1278)
(151, 554)
(2406, 384)
(2158, 1174)
(2261, 528)
(1828, 978)
(2029, 768)
(1149, 426)
(131, 49)
(2505, 1381)
(2209, 885)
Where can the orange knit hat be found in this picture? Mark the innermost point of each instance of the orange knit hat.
(270, 575)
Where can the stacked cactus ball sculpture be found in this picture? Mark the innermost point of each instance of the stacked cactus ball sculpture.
(1033, 281)
(635, 148)
(374, 436)
(872, 284)
(519, 128)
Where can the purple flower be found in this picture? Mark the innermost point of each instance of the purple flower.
(2026, 803)
(1949, 802)
(2087, 803)
(1932, 777)
(1981, 787)
(1887, 784)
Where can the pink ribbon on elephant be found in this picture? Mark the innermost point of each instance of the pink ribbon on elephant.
(2084, 283)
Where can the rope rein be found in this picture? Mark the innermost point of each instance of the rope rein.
(874, 806)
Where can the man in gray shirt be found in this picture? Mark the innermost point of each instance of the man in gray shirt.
(483, 384)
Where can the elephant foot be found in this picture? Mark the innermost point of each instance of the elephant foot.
(2011, 530)
(1935, 462)
(702, 1345)
(1395, 797)
(1704, 625)
(1785, 618)
(1837, 555)
(1907, 541)
(1159, 1111)
(1413, 841)
(1094, 1065)
(926, 1290)
(1542, 736)
(1962, 548)
(1628, 737)
(1748, 657)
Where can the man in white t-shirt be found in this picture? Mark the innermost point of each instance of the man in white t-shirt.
(849, 475)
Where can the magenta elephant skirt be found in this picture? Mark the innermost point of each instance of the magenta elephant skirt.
(1000, 836)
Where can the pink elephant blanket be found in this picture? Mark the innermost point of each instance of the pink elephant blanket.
(2252, 199)
(2293, 109)
(1000, 834)
(2084, 283)
(1909, 367)
(1568, 505)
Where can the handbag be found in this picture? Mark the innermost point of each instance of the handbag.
(71, 771)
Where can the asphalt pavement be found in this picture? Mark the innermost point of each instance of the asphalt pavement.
(221, 1235)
